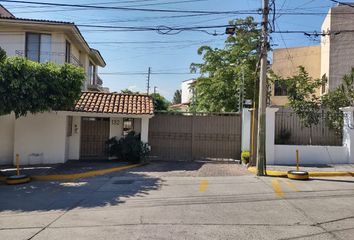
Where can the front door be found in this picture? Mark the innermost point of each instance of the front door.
(94, 134)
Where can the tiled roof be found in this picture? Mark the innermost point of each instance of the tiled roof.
(115, 103)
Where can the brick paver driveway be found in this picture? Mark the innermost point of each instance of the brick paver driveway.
(189, 169)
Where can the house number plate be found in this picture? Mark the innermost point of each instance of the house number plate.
(115, 122)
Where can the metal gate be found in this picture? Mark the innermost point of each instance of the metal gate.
(195, 137)
(94, 134)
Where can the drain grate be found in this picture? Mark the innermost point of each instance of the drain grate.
(123, 182)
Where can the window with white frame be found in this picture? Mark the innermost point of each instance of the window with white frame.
(92, 73)
(38, 47)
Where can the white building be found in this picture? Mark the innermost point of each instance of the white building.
(187, 92)
(54, 137)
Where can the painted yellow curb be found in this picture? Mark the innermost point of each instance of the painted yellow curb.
(74, 176)
(82, 175)
(271, 173)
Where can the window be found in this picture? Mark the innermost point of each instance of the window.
(128, 125)
(67, 51)
(92, 73)
(38, 47)
(280, 88)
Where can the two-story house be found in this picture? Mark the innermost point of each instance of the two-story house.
(57, 136)
(54, 41)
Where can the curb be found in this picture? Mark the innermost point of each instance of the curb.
(60, 177)
(271, 173)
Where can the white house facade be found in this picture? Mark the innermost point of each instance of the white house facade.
(81, 132)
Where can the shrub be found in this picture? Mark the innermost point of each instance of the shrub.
(245, 157)
(129, 148)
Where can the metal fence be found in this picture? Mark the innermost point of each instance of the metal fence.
(289, 130)
(186, 136)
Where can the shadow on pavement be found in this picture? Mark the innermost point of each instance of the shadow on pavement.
(91, 192)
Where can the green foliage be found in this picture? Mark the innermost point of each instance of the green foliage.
(128, 148)
(245, 157)
(342, 96)
(27, 86)
(128, 91)
(302, 97)
(160, 103)
(177, 97)
(222, 70)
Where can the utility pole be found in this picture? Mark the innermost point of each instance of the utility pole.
(241, 92)
(155, 90)
(262, 103)
(148, 81)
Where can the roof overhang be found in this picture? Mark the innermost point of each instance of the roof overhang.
(104, 115)
(97, 57)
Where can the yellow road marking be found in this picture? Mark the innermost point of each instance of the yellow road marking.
(277, 189)
(292, 186)
(203, 185)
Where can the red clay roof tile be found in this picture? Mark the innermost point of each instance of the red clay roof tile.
(115, 103)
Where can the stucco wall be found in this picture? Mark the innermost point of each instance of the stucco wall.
(40, 138)
(286, 63)
(341, 45)
(286, 154)
(73, 141)
(116, 127)
(7, 126)
(12, 41)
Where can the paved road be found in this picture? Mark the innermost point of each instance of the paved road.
(143, 204)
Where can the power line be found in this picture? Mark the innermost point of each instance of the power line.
(120, 8)
(139, 5)
(144, 73)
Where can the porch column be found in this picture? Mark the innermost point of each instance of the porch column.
(270, 135)
(348, 132)
(144, 129)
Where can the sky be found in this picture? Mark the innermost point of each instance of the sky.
(129, 54)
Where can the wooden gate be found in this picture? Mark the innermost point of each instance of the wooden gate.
(195, 137)
(94, 134)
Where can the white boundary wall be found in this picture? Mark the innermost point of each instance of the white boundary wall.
(246, 129)
(286, 154)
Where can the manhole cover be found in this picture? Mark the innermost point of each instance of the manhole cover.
(123, 182)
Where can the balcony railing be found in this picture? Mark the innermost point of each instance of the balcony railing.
(55, 57)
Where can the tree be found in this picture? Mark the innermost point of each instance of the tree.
(304, 102)
(27, 86)
(160, 103)
(342, 96)
(302, 97)
(226, 72)
(177, 97)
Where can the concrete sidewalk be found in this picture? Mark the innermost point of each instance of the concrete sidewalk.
(317, 168)
(70, 167)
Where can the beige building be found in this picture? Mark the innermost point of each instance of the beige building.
(333, 58)
(285, 64)
(337, 47)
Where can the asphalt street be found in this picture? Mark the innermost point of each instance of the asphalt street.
(144, 205)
